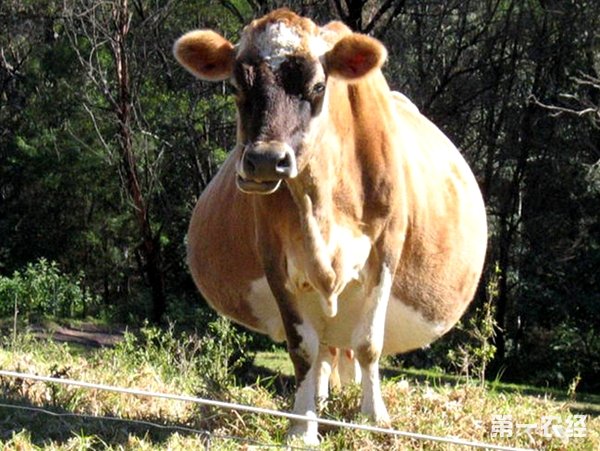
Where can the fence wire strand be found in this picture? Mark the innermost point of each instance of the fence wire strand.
(263, 411)
(168, 427)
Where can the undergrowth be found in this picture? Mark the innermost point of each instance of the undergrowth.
(184, 363)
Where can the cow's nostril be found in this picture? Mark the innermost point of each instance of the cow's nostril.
(250, 166)
(284, 164)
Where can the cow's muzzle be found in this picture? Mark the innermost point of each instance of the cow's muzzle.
(264, 165)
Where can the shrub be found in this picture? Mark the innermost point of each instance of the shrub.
(474, 355)
(205, 364)
(41, 288)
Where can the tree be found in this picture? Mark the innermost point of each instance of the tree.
(367, 16)
(104, 28)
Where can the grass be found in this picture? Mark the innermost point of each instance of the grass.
(185, 364)
(579, 402)
(276, 361)
(586, 403)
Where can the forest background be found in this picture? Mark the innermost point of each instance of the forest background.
(106, 143)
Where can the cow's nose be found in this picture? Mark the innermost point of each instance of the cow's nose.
(267, 162)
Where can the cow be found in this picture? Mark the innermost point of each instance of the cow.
(343, 219)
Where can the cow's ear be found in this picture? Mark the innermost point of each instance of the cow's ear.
(355, 56)
(206, 54)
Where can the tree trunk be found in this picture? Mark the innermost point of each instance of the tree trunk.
(149, 248)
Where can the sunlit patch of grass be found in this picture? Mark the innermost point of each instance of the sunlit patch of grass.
(460, 410)
(277, 361)
(165, 362)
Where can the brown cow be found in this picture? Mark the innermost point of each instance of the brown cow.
(343, 218)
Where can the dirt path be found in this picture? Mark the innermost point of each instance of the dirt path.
(84, 334)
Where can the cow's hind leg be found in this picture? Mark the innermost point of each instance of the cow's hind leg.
(328, 375)
(348, 368)
(368, 344)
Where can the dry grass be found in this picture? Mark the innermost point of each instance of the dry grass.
(461, 410)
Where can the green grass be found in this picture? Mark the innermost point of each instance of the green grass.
(582, 402)
(275, 361)
(588, 403)
(163, 361)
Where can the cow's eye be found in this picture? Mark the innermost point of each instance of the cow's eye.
(318, 88)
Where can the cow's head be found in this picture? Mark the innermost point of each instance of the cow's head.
(280, 71)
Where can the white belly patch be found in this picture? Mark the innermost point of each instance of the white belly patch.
(405, 328)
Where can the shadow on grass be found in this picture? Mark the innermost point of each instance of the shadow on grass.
(582, 403)
(45, 425)
(50, 424)
(274, 381)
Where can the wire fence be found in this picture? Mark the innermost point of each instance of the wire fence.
(243, 408)
(206, 435)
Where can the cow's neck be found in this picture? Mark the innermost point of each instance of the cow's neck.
(316, 191)
(313, 197)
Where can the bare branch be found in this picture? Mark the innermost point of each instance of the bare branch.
(340, 10)
(375, 19)
(588, 80)
(557, 111)
(97, 128)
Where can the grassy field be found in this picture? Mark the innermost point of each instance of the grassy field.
(35, 415)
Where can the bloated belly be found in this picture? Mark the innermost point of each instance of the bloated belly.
(405, 327)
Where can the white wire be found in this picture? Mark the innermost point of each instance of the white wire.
(260, 410)
(105, 418)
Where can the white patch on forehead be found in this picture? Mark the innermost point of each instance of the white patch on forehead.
(277, 42)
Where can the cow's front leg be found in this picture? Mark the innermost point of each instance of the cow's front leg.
(303, 346)
(302, 338)
(368, 344)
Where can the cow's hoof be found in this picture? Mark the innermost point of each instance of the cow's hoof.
(375, 410)
(298, 436)
(380, 418)
(384, 422)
